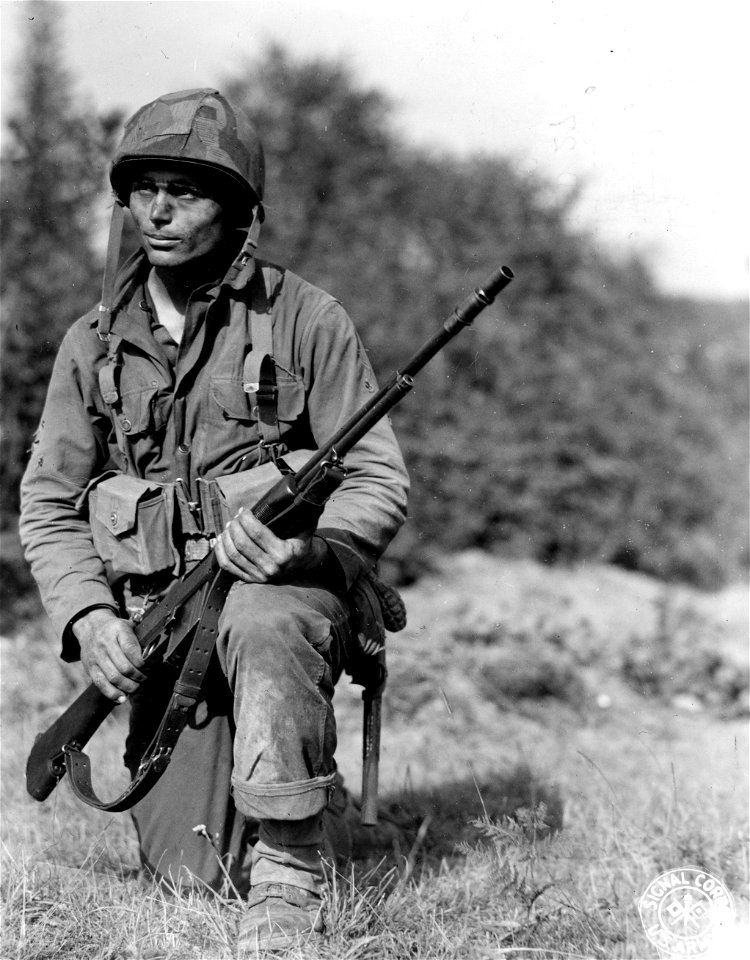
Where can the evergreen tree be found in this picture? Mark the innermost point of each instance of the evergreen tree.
(51, 194)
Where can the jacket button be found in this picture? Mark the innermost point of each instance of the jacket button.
(126, 424)
(113, 518)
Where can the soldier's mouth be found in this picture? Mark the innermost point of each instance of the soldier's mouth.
(164, 243)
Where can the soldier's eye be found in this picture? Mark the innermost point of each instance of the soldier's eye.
(186, 191)
(143, 187)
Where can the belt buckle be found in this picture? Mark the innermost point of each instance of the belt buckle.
(196, 548)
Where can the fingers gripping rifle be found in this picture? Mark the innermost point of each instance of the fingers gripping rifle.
(187, 616)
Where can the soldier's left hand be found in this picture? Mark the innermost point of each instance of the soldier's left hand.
(247, 549)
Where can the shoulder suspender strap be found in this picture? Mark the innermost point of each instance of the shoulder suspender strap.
(267, 396)
(259, 372)
(109, 385)
(261, 335)
(233, 276)
(109, 372)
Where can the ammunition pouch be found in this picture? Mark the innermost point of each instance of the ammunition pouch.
(131, 524)
(222, 497)
(144, 531)
(142, 527)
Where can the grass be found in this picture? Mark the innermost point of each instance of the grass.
(541, 784)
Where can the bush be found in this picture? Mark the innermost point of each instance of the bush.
(685, 662)
(517, 665)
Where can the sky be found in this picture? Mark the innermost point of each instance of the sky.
(642, 103)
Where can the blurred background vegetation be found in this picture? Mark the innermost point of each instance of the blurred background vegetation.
(596, 420)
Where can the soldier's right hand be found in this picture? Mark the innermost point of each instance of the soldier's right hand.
(110, 653)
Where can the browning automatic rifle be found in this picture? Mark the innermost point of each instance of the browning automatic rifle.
(187, 615)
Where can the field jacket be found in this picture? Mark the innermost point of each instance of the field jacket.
(323, 376)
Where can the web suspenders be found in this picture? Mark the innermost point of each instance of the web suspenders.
(258, 374)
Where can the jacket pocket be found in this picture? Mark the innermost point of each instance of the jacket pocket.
(143, 410)
(237, 404)
(291, 398)
(131, 525)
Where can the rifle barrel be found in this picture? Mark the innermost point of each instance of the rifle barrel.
(401, 382)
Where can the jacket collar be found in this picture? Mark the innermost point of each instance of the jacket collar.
(134, 272)
(116, 282)
(129, 321)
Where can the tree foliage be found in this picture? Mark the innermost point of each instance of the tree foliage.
(50, 191)
(569, 430)
(50, 197)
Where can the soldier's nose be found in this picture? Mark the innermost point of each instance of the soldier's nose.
(161, 208)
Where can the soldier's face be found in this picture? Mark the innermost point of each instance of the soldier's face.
(177, 216)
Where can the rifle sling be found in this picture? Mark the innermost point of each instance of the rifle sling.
(185, 695)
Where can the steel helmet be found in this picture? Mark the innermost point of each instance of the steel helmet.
(200, 128)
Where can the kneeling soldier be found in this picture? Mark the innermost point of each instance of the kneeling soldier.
(202, 364)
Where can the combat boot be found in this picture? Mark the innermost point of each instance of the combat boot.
(278, 917)
(285, 903)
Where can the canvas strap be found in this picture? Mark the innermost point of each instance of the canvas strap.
(110, 271)
(259, 374)
(109, 373)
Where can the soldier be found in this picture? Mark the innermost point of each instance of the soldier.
(155, 425)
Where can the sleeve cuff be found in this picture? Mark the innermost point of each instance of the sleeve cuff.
(71, 651)
(349, 563)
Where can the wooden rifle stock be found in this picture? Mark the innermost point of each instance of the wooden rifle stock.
(76, 726)
(292, 505)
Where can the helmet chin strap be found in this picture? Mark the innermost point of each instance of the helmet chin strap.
(104, 323)
(247, 253)
(110, 270)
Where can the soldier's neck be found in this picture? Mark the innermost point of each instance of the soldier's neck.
(172, 287)
(170, 297)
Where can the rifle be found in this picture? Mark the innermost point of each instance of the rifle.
(187, 614)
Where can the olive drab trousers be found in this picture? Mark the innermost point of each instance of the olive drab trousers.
(259, 745)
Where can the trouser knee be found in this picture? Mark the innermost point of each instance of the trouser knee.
(279, 646)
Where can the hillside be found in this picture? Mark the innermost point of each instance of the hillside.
(585, 676)
(617, 703)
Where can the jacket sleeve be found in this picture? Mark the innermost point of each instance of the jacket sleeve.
(67, 453)
(365, 513)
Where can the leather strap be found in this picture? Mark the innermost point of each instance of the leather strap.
(185, 695)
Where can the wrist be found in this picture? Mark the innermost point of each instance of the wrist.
(91, 621)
